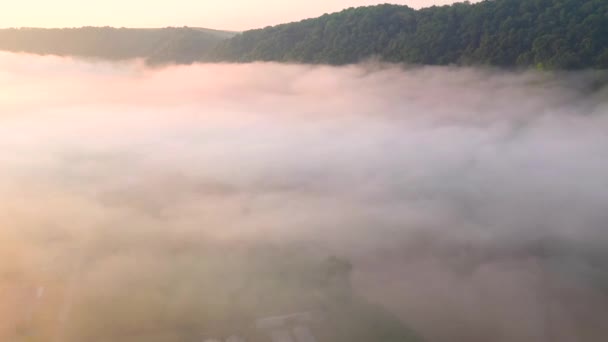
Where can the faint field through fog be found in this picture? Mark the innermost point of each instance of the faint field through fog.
(472, 203)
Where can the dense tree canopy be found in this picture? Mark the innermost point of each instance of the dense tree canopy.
(545, 34)
(558, 34)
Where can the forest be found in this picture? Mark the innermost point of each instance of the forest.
(541, 34)
(168, 45)
(545, 34)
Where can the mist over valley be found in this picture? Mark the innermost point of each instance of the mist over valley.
(394, 203)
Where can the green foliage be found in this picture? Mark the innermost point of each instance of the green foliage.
(546, 34)
(554, 34)
(181, 45)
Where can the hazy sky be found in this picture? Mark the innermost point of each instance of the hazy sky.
(227, 14)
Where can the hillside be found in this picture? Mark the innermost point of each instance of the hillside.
(544, 34)
(175, 45)
(555, 34)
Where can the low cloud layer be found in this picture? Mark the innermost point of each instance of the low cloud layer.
(472, 203)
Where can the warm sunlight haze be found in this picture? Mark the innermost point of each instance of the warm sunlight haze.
(235, 15)
(226, 171)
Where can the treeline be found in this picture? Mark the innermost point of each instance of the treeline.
(544, 34)
(175, 45)
(555, 34)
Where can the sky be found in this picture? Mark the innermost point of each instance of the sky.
(236, 15)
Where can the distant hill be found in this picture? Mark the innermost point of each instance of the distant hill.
(166, 45)
(555, 34)
(544, 34)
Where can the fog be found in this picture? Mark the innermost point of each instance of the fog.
(472, 203)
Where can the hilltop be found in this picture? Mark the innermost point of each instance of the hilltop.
(543, 34)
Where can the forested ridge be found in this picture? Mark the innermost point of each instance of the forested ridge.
(544, 34)
(555, 34)
(166, 45)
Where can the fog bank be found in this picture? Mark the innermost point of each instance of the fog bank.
(472, 203)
